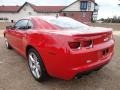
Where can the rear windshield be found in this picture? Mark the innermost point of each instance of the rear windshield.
(65, 23)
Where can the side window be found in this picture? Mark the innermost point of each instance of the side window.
(30, 24)
(21, 24)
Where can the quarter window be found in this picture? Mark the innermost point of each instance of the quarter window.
(30, 24)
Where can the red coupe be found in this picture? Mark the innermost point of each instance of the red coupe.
(60, 46)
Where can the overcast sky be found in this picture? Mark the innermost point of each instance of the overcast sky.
(107, 8)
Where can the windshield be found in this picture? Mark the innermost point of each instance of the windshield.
(65, 23)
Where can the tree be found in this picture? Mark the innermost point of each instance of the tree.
(115, 19)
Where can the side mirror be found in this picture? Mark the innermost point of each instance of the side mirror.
(9, 27)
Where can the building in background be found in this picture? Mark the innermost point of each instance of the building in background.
(81, 10)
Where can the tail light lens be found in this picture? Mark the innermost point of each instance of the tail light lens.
(78, 45)
(87, 43)
(108, 37)
(74, 45)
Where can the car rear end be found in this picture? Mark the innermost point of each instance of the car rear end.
(86, 52)
(90, 52)
(77, 48)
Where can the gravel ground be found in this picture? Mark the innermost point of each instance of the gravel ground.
(15, 75)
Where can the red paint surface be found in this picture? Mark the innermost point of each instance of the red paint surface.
(52, 44)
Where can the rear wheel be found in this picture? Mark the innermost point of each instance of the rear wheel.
(98, 69)
(8, 46)
(36, 65)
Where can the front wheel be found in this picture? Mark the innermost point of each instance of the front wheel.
(36, 65)
(98, 69)
(8, 46)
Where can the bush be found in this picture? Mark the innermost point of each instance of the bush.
(115, 19)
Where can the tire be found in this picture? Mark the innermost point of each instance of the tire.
(36, 65)
(98, 69)
(8, 46)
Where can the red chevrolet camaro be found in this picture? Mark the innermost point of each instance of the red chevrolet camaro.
(60, 46)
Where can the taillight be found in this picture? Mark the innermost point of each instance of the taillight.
(78, 45)
(88, 43)
(108, 37)
(74, 45)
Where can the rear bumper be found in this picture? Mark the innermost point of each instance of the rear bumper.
(69, 73)
(93, 66)
(67, 65)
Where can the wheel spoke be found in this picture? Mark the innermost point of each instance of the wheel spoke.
(31, 58)
(35, 57)
(33, 68)
(37, 73)
(38, 65)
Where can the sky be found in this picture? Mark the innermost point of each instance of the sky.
(107, 8)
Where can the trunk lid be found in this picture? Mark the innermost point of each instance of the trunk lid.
(88, 31)
(85, 31)
(95, 34)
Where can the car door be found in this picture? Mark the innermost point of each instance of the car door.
(19, 34)
(9, 35)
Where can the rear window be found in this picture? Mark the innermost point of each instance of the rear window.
(65, 23)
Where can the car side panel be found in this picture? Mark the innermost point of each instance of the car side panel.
(48, 46)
